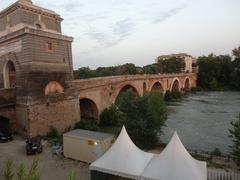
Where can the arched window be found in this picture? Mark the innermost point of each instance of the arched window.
(9, 75)
(53, 87)
(38, 26)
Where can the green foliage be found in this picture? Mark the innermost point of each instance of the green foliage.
(21, 172)
(195, 89)
(172, 65)
(33, 173)
(235, 135)
(236, 52)
(125, 69)
(219, 72)
(87, 125)
(168, 96)
(143, 117)
(111, 116)
(216, 152)
(8, 173)
(72, 175)
(52, 134)
(172, 96)
(176, 95)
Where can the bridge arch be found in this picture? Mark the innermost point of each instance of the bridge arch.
(157, 87)
(187, 84)
(88, 109)
(125, 88)
(176, 85)
(9, 74)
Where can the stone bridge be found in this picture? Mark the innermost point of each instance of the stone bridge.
(96, 94)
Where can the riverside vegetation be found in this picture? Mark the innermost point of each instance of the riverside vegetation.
(215, 72)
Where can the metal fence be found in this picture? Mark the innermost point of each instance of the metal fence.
(222, 175)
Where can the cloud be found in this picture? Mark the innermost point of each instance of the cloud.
(71, 6)
(171, 12)
(115, 33)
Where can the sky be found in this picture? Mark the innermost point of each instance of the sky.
(114, 32)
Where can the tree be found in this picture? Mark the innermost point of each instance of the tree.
(214, 72)
(111, 116)
(143, 117)
(235, 135)
(236, 52)
(168, 96)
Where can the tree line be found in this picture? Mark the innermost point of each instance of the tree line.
(171, 65)
(220, 72)
(215, 72)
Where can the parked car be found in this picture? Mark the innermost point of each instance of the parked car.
(5, 136)
(33, 146)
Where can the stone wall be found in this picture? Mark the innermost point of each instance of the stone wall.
(60, 115)
(7, 96)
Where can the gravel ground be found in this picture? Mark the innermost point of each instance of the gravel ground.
(51, 166)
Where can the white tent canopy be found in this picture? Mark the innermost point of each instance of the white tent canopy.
(123, 159)
(175, 163)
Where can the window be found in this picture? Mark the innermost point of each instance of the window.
(49, 46)
(38, 26)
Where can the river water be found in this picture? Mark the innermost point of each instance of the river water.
(202, 120)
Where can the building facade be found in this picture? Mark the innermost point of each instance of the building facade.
(36, 61)
(186, 58)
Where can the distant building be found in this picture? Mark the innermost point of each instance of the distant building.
(190, 62)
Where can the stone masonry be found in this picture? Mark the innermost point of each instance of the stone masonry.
(31, 40)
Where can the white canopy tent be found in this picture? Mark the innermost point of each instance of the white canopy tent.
(175, 163)
(123, 159)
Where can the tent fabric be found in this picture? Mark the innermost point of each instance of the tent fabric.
(175, 163)
(123, 159)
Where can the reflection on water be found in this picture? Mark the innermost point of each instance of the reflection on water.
(202, 120)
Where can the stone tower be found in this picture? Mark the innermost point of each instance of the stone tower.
(36, 61)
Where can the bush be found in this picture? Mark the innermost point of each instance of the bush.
(111, 116)
(216, 152)
(87, 125)
(235, 136)
(168, 96)
(195, 89)
(176, 95)
(52, 134)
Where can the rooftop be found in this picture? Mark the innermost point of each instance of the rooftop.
(88, 134)
(29, 6)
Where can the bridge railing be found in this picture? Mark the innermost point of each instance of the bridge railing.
(214, 174)
(7, 97)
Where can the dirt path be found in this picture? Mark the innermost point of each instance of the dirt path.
(51, 167)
